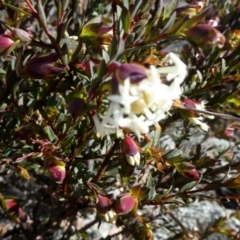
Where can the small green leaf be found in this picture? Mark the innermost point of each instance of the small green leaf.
(2, 72)
(50, 133)
(170, 8)
(68, 139)
(151, 184)
(126, 20)
(188, 186)
(41, 13)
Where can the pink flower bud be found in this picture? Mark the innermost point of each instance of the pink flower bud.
(22, 35)
(124, 204)
(205, 36)
(135, 72)
(13, 209)
(104, 204)
(188, 170)
(57, 171)
(132, 151)
(43, 67)
(5, 42)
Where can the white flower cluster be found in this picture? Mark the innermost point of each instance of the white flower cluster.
(137, 106)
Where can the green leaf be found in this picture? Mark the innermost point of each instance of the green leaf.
(188, 186)
(126, 20)
(17, 9)
(170, 23)
(173, 156)
(2, 72)
(68, 139)
(41, 13)
(151, 184)
(50, 133)
(170, 8)
(117, 48)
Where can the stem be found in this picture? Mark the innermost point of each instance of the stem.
(106, 161)
(168, 211)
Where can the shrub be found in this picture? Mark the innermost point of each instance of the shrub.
(91, 90)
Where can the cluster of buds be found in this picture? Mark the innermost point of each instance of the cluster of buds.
(140, 98)
(131, 150)
(104, 207)
(10, 39)
(108, 210)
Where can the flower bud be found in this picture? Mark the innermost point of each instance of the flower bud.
(103, 204)
(22, 35)
(75, 107)
(5, 43)
(188, 170)
(12, 209)
(205, 36)
(124, 204)
(56, 170)
(43, 67)
(131, 151)
(135, 72)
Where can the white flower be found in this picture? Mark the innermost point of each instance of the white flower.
(137, 106)
(110, 216)
(198, 121)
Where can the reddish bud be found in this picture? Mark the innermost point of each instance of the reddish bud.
(188, 170)
(76, 107)
(43, 67)
(132, 151)
(56, 170)
(124, 204)
(103, 204)
(13, 209)
(5, 43)
(205, 36)
(135, 72)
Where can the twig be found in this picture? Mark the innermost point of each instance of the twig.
(105, 163)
